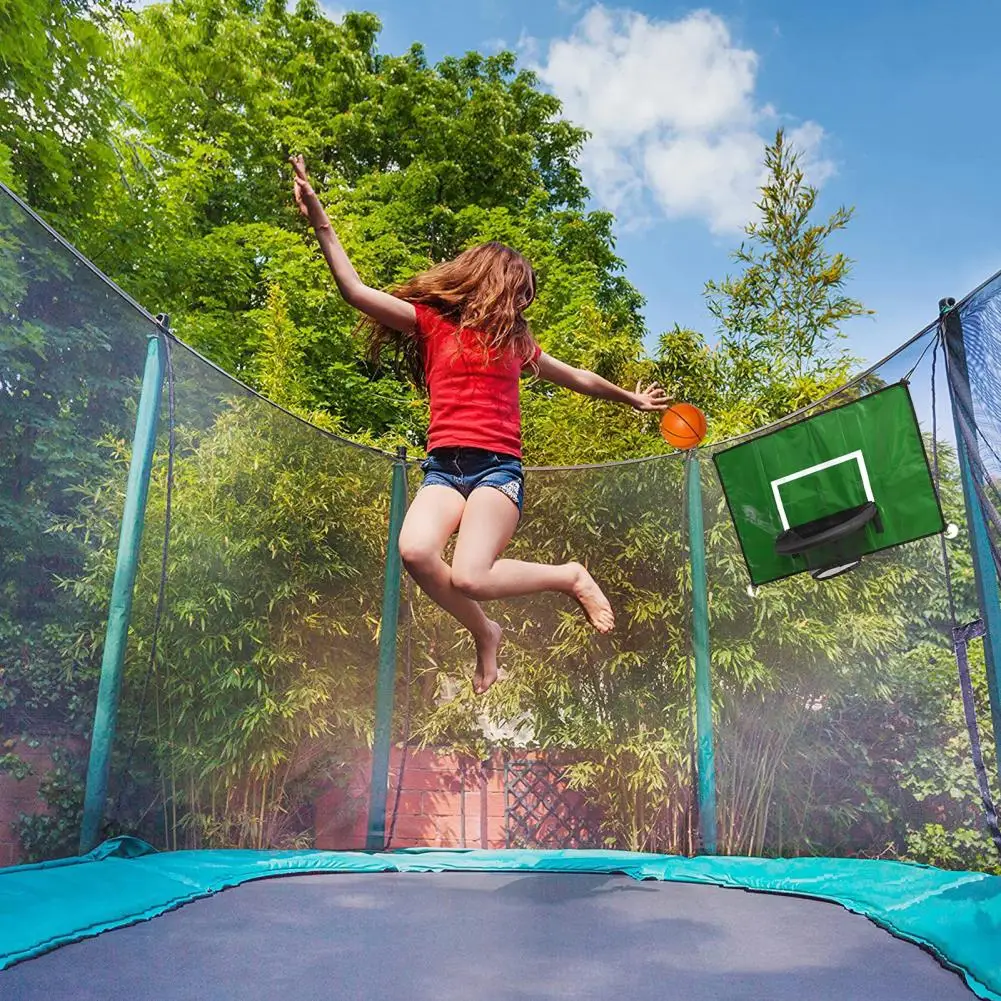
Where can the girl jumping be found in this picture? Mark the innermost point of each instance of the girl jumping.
(461, 329)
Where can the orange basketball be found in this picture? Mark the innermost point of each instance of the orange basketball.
(683, 426)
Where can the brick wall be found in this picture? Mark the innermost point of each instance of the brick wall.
(17, 797)
(445, 802)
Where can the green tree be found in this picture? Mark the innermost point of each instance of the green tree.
(789, 299)
(780, 345)
(265, 667)
(70, 358)
(414, 161)
(57, 103)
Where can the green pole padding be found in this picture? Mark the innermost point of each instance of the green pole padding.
(700, 646)
(983, 562)
(120, 610)
(386, 681)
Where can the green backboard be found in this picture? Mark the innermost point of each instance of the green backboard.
(866, 457)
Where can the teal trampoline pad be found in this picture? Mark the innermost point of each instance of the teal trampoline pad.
(513, 924)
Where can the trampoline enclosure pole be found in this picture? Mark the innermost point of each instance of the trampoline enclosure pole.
(700, 646)
(386, 680)
(120, 609)
(983, 562)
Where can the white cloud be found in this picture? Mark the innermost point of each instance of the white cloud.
(808, 138)
(711, 176)
(333, 12)
(528, 47)
(672, 113)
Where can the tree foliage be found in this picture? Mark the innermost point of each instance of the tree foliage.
(780, 345)
(415, 162)
(58, 102)
(838, 723)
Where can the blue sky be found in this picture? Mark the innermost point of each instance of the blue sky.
(893, 103)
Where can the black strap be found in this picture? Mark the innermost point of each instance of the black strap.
(961, 636)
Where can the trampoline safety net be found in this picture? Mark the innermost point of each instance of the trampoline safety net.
(247, 710)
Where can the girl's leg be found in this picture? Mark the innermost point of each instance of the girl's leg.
(431, 519)
(487, 525)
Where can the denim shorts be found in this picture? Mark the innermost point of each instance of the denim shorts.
(465, 469)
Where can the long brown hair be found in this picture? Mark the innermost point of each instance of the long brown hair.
(486, 289)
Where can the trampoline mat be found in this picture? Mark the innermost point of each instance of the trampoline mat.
(499, 937)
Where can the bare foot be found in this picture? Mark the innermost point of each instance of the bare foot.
(591, 598)
(486, 658)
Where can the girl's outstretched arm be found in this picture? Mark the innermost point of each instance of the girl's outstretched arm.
(580, 380)
(381, 306)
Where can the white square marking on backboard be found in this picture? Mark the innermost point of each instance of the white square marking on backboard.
(847, 457)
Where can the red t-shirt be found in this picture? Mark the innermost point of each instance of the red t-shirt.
(474, 398)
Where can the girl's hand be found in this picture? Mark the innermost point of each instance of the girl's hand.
(305, 196)
(651, 399)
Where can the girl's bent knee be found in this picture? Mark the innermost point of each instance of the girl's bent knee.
(417, 556)
(471, 584)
